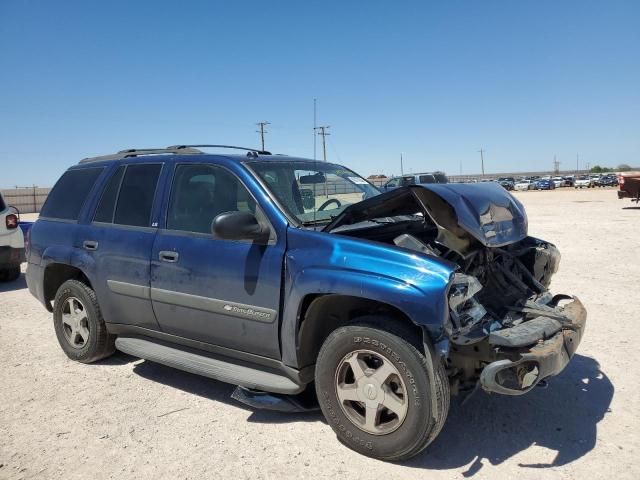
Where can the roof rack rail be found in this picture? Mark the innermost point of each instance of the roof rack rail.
(252, 152)
(136, 152)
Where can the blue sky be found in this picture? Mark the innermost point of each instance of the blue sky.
(436, 80)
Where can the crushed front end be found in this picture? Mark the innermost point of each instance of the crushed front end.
(507, 331)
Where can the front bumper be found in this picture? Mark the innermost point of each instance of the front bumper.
(548, 357)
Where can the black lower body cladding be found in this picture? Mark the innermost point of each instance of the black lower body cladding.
(522, 368)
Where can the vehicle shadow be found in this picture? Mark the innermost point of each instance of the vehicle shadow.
(18, 284)
(493, 428)
(216, 391)
(630, 208)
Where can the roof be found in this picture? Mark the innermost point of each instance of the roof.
(181, 151)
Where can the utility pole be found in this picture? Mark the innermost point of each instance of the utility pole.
(577, 163)
(262, 131)
(314, 128)
(401, 166)
(556, 165)
(323, 133)
(482, 159)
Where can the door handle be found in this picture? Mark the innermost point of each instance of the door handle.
(167, 256)
(90, 245)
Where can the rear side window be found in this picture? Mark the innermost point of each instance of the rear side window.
(69, 194)
(442, 178)
(107, 205)
(427, 179)
(407, 181)
(2, 204)
(135, 198)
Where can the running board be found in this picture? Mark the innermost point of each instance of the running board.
(208, 367)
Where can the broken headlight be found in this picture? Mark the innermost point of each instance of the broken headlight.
(464, 308)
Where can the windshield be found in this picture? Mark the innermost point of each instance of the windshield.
(313, 192)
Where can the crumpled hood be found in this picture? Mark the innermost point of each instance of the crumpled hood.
(484, 211)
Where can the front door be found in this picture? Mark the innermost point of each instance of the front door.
(221, 292)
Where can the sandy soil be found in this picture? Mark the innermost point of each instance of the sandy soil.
(128, 418)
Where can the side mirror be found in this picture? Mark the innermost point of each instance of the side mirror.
(239, 226)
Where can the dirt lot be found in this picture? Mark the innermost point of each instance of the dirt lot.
(128, 418)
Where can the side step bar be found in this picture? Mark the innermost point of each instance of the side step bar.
(217, 369)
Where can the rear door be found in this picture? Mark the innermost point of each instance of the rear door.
(119, 240)
(221, 292)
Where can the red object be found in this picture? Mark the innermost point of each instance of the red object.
(11, 221)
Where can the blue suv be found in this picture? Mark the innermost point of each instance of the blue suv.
(301, 283)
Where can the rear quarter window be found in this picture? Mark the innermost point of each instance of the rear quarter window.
(2, 204)
(70, 193)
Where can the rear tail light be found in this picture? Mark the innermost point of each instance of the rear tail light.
(621, 182)
(11, 221)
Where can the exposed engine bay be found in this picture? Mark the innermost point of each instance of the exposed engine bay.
(507, 332)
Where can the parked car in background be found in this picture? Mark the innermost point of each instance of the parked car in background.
(523, 184)
(11, 242)
(608, 180)
(594, 180)
(544, 184)
(629, 186)
(558, 182)
(507, 183)
(568, 180)
(376, 306)
(582, 181)
(415, 179)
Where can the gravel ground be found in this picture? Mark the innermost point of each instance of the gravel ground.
(128, 418)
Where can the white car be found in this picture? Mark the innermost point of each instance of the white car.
(582, 182)
(558, 181)
(11, 243)
(522, 185)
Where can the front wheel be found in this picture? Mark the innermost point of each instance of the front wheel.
(373, 389)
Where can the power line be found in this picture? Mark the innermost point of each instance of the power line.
(323, 133)
(262, 131)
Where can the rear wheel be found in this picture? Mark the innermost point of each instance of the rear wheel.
(79, 325)
(373, 389)
(10, 274)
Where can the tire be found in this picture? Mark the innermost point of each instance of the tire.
(372, 338)
(10, 274)
(89, 341)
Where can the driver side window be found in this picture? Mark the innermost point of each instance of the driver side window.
(201, 192)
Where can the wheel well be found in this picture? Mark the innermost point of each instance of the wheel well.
(58, 273)
(322, 314)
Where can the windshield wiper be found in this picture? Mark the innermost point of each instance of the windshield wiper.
(318, 221)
